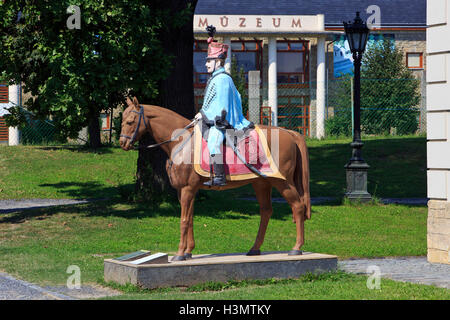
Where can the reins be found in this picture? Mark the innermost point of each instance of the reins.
(190, 125)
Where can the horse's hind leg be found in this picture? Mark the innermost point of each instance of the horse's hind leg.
(263, 192)
(289, 192)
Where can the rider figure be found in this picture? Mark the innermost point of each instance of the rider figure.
(222, 107)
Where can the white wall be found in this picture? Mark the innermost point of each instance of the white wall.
(438, 99)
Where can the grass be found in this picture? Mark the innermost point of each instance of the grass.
(333, 285)
(64, 172)
(397, 169)
(397, 166)
(38, 245)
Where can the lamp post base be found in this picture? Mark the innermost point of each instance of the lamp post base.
(357, 181)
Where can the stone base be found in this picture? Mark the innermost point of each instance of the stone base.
(218, 268)
(438, 231)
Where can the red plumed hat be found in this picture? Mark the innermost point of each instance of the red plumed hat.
(216, 50)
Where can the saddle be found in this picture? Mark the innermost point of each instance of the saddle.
(252, 147)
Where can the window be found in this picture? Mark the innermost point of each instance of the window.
(248, 55)
(414, 60)
(105, 119)
(4, 93)
(200, 53)
(292, 62)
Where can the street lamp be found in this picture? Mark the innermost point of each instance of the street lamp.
(357, 33)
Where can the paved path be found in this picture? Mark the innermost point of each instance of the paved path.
(15, 205)
(322, 200)
(7, 206)
(15, 289)
(406, 269)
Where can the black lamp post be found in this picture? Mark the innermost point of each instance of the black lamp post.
(357, 33)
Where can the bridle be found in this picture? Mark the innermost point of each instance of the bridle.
(142, 119)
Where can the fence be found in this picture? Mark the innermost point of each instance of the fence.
(37, 131)
(388, 106)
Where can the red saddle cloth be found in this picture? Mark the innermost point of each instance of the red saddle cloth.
(253, 148)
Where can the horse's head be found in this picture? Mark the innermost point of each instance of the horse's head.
(134, 124)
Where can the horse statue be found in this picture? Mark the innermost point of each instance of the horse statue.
(293, 164)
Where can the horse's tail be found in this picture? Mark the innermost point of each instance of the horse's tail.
(301, 175)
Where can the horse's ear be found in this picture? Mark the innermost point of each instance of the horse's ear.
(136, 103)
(129, 102)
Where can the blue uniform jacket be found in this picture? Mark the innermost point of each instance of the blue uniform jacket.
(222, 101)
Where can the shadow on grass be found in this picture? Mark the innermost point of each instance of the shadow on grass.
(213, 208)
(79, 148)
(88, 190)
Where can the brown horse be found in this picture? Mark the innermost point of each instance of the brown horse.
(293, 164)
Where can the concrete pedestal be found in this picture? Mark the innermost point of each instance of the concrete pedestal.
(218, 268)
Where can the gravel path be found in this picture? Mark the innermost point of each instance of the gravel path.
(7, 206)
(15, 289)
(406, 269)
(320, 200)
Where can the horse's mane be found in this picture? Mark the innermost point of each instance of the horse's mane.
(160, 111)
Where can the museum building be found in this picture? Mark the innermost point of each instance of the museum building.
(297, 47)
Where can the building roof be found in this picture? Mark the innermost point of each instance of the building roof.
(394, 13)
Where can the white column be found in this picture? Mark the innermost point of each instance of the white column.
(14, 133)
(227, 41)
(438, 131)
(320, 89)
(272, 79)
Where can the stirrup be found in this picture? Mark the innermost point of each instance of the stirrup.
(216, 181)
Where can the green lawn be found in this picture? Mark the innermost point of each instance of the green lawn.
(38, 245)
(328, 286)
(398, 169)
(397, 166)
(64, 172)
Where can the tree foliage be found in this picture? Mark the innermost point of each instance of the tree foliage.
(390, 94)
(238, 75)
(73, 74)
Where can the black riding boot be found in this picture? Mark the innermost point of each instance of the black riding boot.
(219, 172)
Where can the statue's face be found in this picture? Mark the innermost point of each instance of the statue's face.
(211, 65)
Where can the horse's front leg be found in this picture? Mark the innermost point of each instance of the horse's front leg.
(186, 198)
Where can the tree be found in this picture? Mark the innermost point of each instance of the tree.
(176, 92)
(238, 76)
(390, 94)
(73, 74)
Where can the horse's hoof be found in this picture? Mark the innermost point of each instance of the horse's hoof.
(178, 258)
(254, 253)
(295, 253)
(188, 256)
